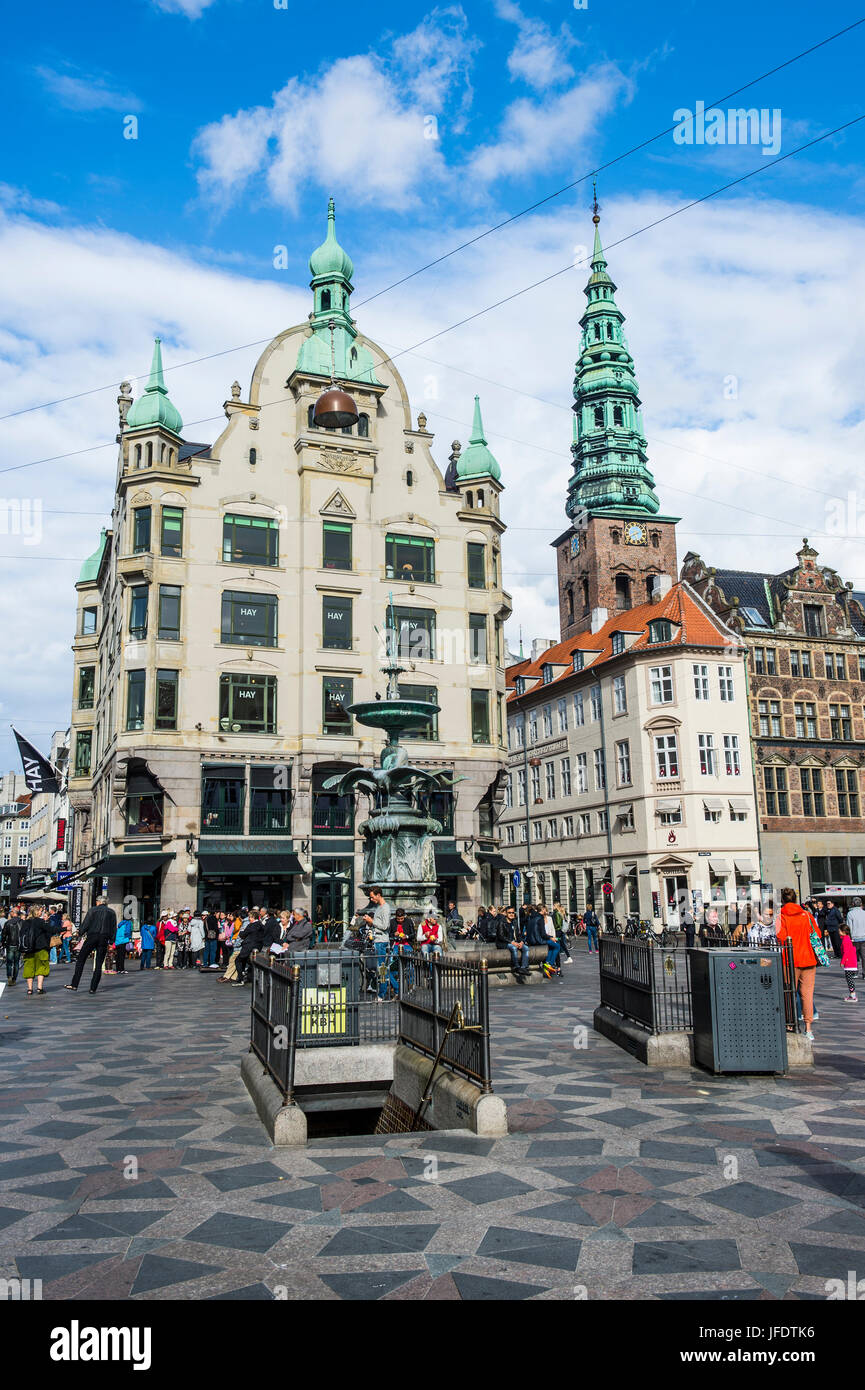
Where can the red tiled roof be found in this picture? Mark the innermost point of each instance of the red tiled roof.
(692, 626)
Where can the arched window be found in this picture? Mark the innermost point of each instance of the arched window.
(309, 418)
(409, 477)
(325, 299)
(346, 429)
(649, 584)
(597, 332)
(609, 330)
(148, 455)
(481, 502)
(162, 453)
(570, 604)
(253, 456)
(138, 456)
(623, 591)
(599, 416)
(618, 417)
(172, 457)
(585, 586)
(615, 536)
(470, 499)
(656, 539)
(363, 426)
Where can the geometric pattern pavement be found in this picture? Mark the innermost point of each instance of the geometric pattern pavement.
(615, 1182)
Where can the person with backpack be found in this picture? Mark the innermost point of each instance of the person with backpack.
(10, 940)
(34, 940)
(98, 930)
(592, 926)
(798, 926)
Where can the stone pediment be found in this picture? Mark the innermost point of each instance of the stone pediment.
(336, 505)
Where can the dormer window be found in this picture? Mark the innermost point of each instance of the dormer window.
(578, 660)
(547, 672)
(661, 630)
(520, 685)
(618, 643)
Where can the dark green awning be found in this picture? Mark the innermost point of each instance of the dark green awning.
(449, 863)
(239, 862)
(493, 858)
(128, 864)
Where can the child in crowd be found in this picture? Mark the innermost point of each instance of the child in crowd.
(849, 965)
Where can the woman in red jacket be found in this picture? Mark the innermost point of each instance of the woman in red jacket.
(796, 925)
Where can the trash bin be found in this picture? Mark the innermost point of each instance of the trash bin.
(737, 998)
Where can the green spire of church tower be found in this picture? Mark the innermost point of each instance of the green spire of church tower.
(331, 269)
(611, 475)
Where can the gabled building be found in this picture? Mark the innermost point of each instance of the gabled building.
(231, 614)
(804, 630)
(629, 764)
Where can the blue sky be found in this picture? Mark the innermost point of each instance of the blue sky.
(249, 116)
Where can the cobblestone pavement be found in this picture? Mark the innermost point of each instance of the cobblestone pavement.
(616, 1182)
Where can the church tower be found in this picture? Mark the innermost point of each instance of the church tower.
(617, 544)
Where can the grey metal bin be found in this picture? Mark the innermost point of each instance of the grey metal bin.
(738, 1010)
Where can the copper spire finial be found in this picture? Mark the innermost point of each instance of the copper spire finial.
(596, 207)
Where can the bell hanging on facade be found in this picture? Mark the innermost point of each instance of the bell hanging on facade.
(335, 409)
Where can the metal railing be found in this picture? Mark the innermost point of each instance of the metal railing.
(651, 985)
(444, 1012)
(270, 820)
(218, 820)
(312, 999)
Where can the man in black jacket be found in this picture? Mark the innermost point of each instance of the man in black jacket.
(511, 937)
(10, 941)
(98, 929)
(252, 939)
(834, 923)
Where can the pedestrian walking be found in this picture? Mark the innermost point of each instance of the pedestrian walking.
(856, 923)
(797, 925)
(10, 940)
(34, 938)
(122, 943)
(592, 925)
(148, 942)
(848, 965)
(97, 930)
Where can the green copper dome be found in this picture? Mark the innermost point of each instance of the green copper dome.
(154, 407)
(90, 568)
(329, 258)
(478, 461)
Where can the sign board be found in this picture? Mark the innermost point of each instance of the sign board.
(64, 877)
(703, 853)
(516, 878)
(607, 888)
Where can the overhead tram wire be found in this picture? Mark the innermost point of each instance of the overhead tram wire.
(489, 231)
(470, 318)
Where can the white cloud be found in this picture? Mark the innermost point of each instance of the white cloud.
(540, 56)
(193, 9)
(86, 93)
(538, 135)
(366, 126)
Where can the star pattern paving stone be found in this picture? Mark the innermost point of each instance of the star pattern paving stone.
(132, 1165)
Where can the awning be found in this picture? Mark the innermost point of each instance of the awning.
(719, 866)
(738, 803)
(668, 807)
(744, 868)
(624, 810)
(141, 781)
(713, 803)
(493, 858)
(248, 861)
(449, 863)
(128, 864)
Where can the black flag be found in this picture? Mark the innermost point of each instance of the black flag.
(39, 775)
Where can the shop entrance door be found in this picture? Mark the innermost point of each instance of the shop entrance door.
(332, 897)
(676, 898)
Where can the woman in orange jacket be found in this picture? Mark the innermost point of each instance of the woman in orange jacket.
(796, 925)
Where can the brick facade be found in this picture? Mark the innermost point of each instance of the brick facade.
(587, 579)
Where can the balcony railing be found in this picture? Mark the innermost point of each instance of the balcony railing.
(220, 820)
(270, 820)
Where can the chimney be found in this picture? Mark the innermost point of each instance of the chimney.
(661, 586)
(599, 617)
(541, 645)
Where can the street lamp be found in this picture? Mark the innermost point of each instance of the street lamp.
(797, 869)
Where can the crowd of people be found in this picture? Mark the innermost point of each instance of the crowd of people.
(35, 938)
